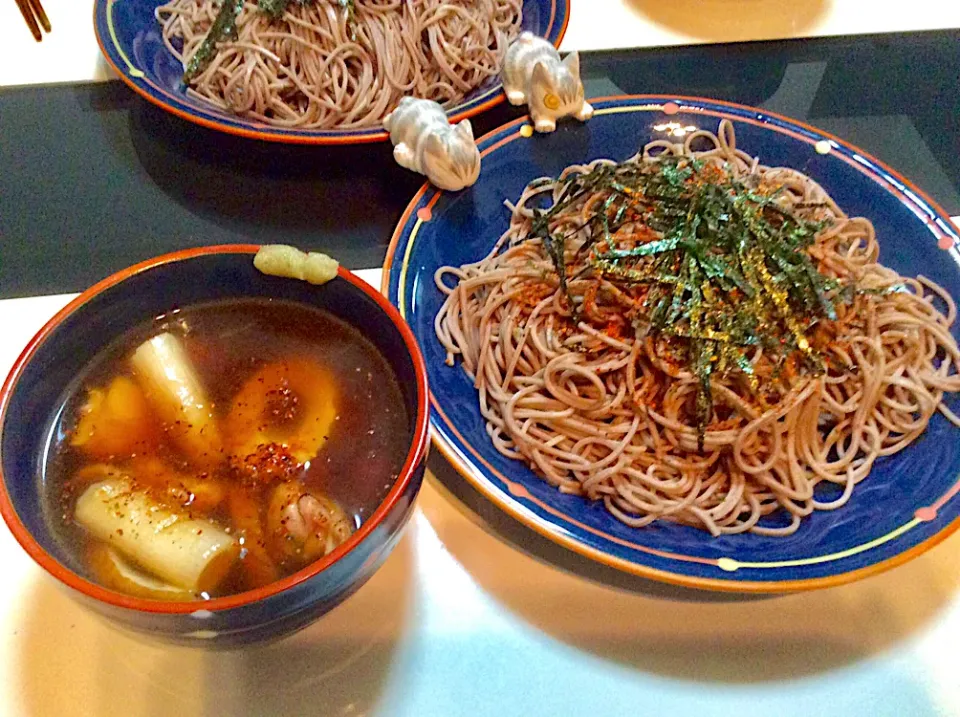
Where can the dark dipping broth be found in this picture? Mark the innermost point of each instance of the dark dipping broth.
(221, 447)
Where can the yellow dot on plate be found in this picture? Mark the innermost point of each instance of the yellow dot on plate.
(526, 131)
(822, 147)
(728, 564)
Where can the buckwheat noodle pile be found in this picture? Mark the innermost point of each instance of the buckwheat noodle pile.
(664, 415)
(320, 66)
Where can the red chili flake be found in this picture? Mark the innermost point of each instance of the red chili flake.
(282, 406)
(271, 462)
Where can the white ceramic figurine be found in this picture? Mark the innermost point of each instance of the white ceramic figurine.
(425, 141)
(534, 73)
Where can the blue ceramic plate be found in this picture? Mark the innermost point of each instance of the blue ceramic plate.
(907, 504)
(130, 39)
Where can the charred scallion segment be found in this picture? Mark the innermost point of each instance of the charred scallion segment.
(224, 28)
(717, 265)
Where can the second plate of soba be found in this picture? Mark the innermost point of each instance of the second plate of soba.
(316, 72)
(694, 341)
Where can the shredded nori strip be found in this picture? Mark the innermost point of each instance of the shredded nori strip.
(273, 8)
(224, 28)
(726, 267)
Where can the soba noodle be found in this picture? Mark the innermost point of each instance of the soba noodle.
(319, 67)
(611, 418)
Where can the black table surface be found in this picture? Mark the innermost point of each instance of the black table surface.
(93, 178)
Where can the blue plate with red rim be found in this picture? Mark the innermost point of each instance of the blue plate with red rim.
(909, 502)
(130, 39)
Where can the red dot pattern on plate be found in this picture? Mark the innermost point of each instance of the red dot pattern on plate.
(424, 214)
(518, 490)
(671, 108)
(925, 515)
(945, 243)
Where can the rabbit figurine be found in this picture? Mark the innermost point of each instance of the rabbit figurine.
(534, 73)
(425, 141)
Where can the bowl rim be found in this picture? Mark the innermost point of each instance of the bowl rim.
(347, 138)
(557, 533)
(415, 455)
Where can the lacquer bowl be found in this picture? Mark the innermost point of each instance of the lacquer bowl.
(70, 340)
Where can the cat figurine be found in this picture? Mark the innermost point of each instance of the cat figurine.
(425, 141)
(534, 73)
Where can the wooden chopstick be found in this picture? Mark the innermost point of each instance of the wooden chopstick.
(41, 15)
(33, 11)
(27, 11)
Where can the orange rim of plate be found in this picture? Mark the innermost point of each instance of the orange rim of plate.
(415, 456)
(553, 531)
